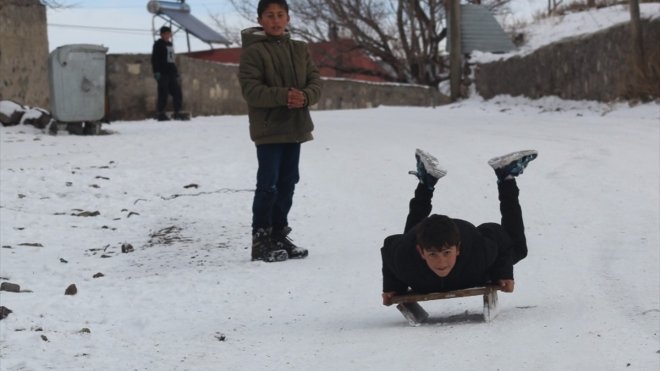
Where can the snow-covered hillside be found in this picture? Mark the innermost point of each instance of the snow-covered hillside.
(552, 29)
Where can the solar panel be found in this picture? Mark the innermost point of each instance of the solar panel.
(196, 27)
(179, 13)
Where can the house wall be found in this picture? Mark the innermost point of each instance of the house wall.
(592, 67)
(211, 88)
(24, 52)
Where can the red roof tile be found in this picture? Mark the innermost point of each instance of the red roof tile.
(339, 58)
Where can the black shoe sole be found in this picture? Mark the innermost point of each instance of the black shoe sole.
(276, 256)
(299, 256)
(273, 256)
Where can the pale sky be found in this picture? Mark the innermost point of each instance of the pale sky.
(125, 26)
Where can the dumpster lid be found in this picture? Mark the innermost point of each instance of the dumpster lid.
(62, 52)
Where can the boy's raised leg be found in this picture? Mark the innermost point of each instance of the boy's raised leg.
(428, 172)
(506, 168)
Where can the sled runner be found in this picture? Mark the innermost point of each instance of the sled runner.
(408, 304)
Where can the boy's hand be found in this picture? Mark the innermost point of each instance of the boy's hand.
(505, 285)
(387, 298)
(296, 98)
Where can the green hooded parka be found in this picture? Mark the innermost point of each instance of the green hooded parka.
(269, 67)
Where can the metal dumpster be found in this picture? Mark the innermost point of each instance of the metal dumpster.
(77, 85)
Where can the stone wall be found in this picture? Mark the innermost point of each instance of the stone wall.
(591, 67)
(24, 52)
(208, 88)
(211, 88)
(350, 94)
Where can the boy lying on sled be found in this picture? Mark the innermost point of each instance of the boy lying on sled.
(437, 253)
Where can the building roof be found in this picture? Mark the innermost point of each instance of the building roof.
(481, 31)
(340, 58)
(223, 55)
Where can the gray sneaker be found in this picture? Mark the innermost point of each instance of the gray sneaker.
(428, 170)
(512, 164)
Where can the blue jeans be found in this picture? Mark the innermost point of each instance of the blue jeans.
(276, 180)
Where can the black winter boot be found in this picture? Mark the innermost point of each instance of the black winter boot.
(181, 116)
(264, 248)
(282, 240)
(162, 116)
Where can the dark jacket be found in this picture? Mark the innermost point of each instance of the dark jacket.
(163, 58)
(485, 256)
(269, 66)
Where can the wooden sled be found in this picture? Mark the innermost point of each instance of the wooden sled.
(408, 304)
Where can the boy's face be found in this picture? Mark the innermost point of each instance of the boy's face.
(274, 20)
(440, 262)
(167, 36)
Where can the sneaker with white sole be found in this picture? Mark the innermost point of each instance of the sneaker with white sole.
(428, 169)
(512, 164)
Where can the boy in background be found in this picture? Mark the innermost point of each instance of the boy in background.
(167, 76)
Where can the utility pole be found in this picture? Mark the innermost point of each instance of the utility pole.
(455, 52)
(639, 65)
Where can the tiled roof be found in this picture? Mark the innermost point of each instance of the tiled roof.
(339, 58)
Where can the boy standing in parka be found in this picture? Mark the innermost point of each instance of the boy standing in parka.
(437, 253)
(279, 82)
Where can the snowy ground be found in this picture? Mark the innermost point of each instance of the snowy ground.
(188, 298)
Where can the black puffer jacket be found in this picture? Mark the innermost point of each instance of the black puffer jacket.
(485, 256)
(163, 58)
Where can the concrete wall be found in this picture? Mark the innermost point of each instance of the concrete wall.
(211, 88)
(592, 67)
(24, 52)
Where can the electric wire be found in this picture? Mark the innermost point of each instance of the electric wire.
(103, 29)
